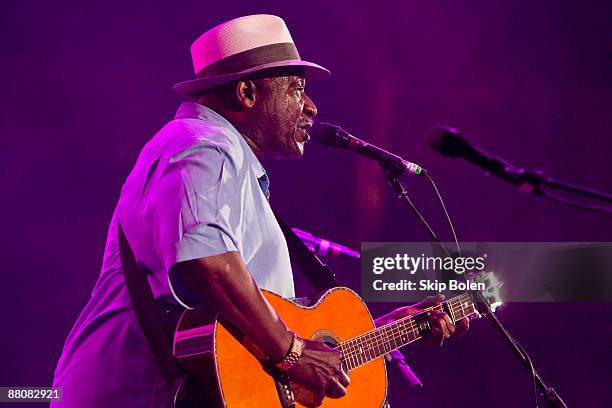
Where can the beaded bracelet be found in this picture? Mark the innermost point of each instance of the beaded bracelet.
(295, 351)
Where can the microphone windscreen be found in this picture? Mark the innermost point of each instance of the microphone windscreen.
(448, 141)
(327, 134)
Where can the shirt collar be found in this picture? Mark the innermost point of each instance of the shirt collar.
(193, 110)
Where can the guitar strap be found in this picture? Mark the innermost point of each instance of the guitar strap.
(148, 314)
(318, 275)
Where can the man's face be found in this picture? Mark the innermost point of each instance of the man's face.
(284, 115)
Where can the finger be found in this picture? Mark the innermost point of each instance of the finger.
(449, 323)
(335, 390)
(440, 323)
(436, 338)
(462, 326)
(344, 378)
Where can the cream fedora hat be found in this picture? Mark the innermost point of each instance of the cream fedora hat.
(241, 47)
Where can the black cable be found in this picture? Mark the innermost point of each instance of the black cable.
(393, 179)
(450, 224)
(448, 218)
(519, 347)
(533, 372)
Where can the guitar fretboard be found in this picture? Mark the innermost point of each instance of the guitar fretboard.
(366, 347)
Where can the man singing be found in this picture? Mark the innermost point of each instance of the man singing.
(195, 211)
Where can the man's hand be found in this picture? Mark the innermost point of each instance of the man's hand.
(319, 369)
(441, 323)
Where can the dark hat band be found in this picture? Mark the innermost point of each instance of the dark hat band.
(250, 58)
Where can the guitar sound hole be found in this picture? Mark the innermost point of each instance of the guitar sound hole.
(328, 340)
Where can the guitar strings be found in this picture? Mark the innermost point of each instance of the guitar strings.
(377, 337)
(352, 354)
(380, 343)
(354, 358)
(353, 351)
(455, 306)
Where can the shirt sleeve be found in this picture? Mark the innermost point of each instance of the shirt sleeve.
(198, 207)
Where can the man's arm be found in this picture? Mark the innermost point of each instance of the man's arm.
(223, 283)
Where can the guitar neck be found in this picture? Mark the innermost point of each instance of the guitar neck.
(366, 347)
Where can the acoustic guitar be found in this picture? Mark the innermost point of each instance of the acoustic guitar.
(226, 370)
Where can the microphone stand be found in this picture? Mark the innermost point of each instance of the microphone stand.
(551, 396)
(534, 180)
(529, 181)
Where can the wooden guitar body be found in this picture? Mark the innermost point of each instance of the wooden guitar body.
(227, 370)
(239, 370)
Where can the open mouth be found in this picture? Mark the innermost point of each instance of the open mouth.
(304, 132)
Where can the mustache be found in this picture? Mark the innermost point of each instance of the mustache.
(305, 124)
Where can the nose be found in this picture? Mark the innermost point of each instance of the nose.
(309, 107)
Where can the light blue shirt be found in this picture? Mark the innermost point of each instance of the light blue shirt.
(196, 190)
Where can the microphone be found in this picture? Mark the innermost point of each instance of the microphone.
(450, 143)
(324, 247)
(335, 137)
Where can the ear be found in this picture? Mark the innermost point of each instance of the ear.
(246, 93)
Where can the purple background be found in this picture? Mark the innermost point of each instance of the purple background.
(85, 85)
